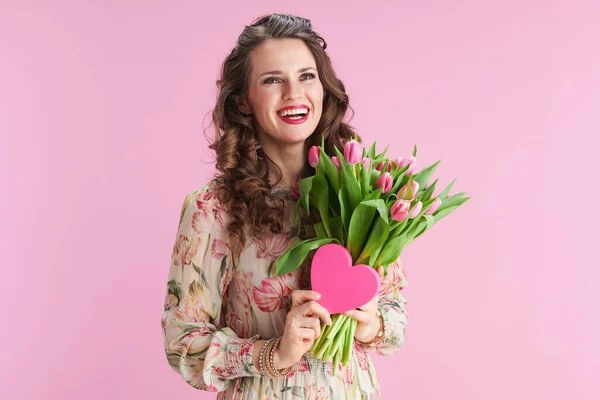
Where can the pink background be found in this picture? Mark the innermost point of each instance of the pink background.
(102, 106)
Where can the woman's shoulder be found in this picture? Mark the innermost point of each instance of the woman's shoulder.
(206, 211)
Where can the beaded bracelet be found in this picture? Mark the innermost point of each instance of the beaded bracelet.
(280, 372)
(261, 359)
(267, 360)
(379, 337)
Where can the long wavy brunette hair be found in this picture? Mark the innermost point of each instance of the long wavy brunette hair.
(241, 183)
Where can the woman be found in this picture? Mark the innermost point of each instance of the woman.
(230, 325)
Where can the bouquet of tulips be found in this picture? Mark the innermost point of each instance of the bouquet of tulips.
(374, 207)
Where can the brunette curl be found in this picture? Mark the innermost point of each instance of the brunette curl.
(241, 183)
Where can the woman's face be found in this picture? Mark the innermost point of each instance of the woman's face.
(283, 73)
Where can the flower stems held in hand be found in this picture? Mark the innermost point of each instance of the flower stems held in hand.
(336, 341)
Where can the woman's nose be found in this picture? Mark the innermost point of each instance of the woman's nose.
(292, 90)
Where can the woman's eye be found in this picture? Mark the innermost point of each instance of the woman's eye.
(269, 80)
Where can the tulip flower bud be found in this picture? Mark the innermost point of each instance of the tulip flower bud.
(366, 162)
(385, 165)
(415, 210)
(410, 160)
(403, 192)
(313, 156)
(400, 209)
(434, 206)
(352, 152)
(385, 181)
(336, 162)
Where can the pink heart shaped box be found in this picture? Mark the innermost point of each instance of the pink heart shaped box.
(343, 287)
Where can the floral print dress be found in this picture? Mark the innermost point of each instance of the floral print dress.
(218, 305)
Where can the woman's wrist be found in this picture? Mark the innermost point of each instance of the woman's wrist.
(280, 361)
(377, 333)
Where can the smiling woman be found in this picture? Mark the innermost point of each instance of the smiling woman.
(278, 62)
(230, 325)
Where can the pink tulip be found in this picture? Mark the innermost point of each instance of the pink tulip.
(352, 152)
(366, 162)
(385, 164)
(405, 161)
(313, 156)
(385, 181)
(434, 206)
(415, 210)
(336, 162)
(400, 209)
(397, 161)
(403, 192)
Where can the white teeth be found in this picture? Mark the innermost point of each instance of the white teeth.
(294, 112)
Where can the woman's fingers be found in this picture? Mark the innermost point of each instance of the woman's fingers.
(310, 309)
(310, 323)
(306, 334)
(314, 309)
(359, 315)
(300, 297)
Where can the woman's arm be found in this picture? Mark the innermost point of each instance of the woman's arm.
(198, 345)
(393, 309)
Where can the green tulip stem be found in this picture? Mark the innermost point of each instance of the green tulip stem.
(339, 321)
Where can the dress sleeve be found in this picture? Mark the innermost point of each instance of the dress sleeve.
(393, 309)
(207, 354)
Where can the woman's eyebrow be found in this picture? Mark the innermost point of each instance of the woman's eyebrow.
(280, 72)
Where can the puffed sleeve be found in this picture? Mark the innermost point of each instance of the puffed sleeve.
(393, 309)
(207, 354)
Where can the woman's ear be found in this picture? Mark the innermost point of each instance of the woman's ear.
(242, 106)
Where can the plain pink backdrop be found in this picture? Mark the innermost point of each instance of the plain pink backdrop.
(102, 107)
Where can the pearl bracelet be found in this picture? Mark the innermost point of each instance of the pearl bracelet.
(380, 334)
(261, 359)
(267, 360)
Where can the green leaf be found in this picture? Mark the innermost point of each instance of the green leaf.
(415, 151)
(380, 205)
(320, 193)
(320, 230)
(334, 202)
(397, 183)
(344, 209)
(447, 190)
(360, 225)
(375, 242)
(371, 152)
(391, 251)
(330, 170)
(382, 154)
(452, 201)
(429, 223)
(351, 186)
(296, 207)
(429, 191)
(365, 181)
(374, 195)
(375, 174)
(295, 256)
(337, 229)
(305, 186)
(423, 176)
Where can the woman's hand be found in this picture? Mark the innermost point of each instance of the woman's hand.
(302, 327)
(368, 322)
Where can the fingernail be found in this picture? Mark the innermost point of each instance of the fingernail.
(318, 296)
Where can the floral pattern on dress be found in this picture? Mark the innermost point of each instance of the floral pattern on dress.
(216, 307)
